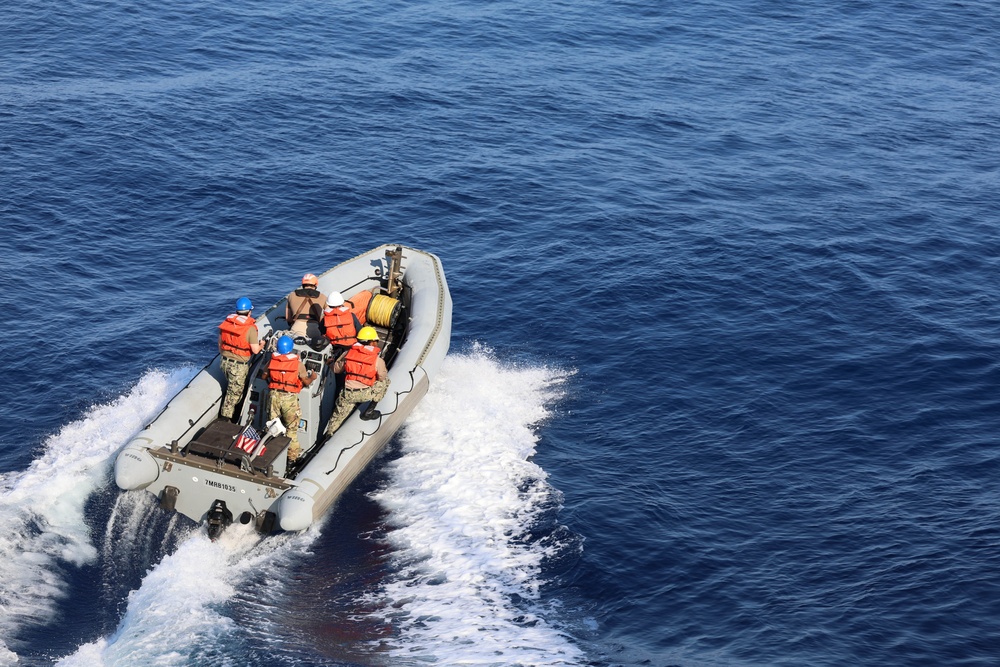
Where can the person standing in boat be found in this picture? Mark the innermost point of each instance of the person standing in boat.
(305, 305)
(238, 341)
(286, 376)
(366, 379)
(340, 322)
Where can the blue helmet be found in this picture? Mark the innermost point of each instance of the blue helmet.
(243, 303)
(285, 345)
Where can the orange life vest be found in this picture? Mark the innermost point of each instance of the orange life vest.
(339, 323)
(360, 364)
(283, 373)
(233, 335)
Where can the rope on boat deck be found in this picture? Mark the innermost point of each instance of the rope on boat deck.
(364, 435)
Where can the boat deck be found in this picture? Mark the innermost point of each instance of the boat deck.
(214, 450)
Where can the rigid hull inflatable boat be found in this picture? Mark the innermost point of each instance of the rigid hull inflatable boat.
(190, 459)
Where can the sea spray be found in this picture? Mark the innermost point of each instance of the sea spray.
(464, 503)
(138, 534)
(42, 508)
(178, 615)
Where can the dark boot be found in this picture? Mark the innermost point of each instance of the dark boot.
(370, 412)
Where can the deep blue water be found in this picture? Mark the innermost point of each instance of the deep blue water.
(721, 388)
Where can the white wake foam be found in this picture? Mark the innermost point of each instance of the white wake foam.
(175, 616)
(42, 508)
(462, 498)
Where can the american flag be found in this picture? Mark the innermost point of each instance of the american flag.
(248, 439)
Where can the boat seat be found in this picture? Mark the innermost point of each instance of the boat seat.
(272, 449)
(218, 439)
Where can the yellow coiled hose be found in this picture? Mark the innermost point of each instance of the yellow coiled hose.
(382, 311)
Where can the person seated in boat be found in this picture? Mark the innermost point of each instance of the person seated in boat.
(286, 376)
(238, 341)
(366, 379)
(341, 324)
(305, 305)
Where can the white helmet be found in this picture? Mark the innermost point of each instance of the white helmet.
(334, 300)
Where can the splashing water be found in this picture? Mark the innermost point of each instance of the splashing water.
(462, 500)
(175, 617)
(42, 508)
(138, 533)
(464, 505)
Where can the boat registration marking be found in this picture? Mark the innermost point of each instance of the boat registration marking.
(220, 485)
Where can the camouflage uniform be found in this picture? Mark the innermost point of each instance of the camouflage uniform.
(286, 404)
(351, 396)
(236, 379)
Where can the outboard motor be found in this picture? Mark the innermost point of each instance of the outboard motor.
(218, 518)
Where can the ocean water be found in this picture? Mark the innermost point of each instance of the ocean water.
(721, 388)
